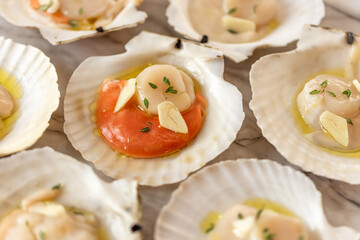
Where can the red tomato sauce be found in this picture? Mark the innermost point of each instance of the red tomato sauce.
(121, 130)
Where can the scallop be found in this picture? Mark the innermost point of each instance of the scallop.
(224, 113)
(324, 58)
(87, 17)
(30, 78)
(222, 186)
(114, 204)
(278, 22)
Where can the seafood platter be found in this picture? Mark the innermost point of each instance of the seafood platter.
(179, 120)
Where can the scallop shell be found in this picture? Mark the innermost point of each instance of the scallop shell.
(276, 80)
(19, 13)
(292, 16)
(115, 204)
(222, 185)
(224, 114)
(38, 80)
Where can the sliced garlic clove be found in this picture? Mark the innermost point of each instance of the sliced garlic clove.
(126, 93)
(41, 195)
(48, 209)
(336, 126)
(238, 24)
(242, 227)
(356, 84)
(170, 117)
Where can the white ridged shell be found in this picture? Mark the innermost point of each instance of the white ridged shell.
(292, 16)
(222, 185)
(224, 114)
(19, 13)
(276, 80)
(38, 79)
(115, 204)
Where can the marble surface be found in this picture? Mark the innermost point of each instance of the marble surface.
(341, 200)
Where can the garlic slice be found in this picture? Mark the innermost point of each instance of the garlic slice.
(170, 117)
(356, 84)
(48, 209)
(40, 195)
(242, 227)
(336, 126)
(238, 24)
(126, 93)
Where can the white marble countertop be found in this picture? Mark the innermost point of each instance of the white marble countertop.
(341, 200)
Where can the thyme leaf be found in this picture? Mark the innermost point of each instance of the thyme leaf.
(166, 81)
(146, 103)
(231, 11)
(332, 93)
(313, 92)
(152, 85)
(349, 121)
(347, 92)
(324, 84)
(145, 129)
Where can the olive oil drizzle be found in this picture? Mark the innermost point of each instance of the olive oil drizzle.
(10, 82)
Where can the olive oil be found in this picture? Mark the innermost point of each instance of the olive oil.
(101, 234)
(10, 82)
(261, 203)
(209, 222)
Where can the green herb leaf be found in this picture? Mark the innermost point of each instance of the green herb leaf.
(77, 212)
(258, 214)
(231, 11)
(301, 238)
(255, 8)
(57, 186)
(313, 92)
(81, 11)
(27, 223)
(210, 228)
(171, 90)
(145, 129)
(149, 123)
(73, 23)
(152, 85)
(44, 7)
(324, 84)
(19, 206)
(268, 235)
(166, 81)
(146, 103)
(240, 216)
(42, 235)
(232, 31)
(349, 121)
(347, 92)
(332, 93)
